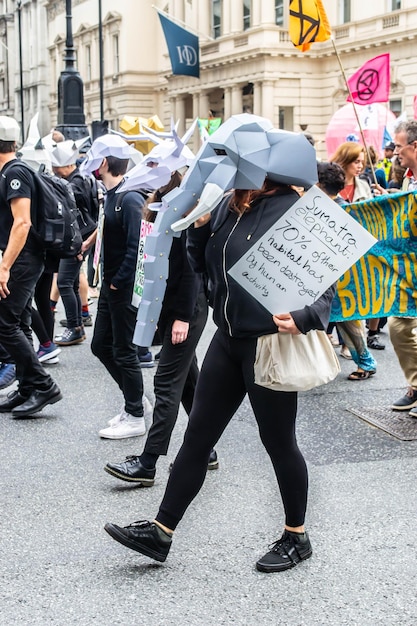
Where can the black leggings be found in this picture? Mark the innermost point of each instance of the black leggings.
(225, 378)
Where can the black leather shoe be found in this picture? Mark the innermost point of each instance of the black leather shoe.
(37, 401)
(144, 537)
(213, 462)
(14, 399)
(132, 471)
(285, 553)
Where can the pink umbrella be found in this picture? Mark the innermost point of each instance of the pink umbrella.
(343, 126)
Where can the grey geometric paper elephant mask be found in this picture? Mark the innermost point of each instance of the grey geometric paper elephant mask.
(239, 155)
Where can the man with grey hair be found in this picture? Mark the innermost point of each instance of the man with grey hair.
(403, 330)
(20, 268)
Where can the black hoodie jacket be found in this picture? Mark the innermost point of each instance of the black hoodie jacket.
(217, 246)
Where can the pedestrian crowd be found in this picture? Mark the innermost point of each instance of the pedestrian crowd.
(105, 267)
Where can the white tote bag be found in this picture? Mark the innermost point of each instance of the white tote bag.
(286, 362)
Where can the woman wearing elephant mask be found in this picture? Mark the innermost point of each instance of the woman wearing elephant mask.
(215, 243)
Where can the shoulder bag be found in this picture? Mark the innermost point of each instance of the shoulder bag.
(286, 362)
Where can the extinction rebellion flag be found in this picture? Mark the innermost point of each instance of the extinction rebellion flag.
(371, 82)
(182, 47)
(308, 23)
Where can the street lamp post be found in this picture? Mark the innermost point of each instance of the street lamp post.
(100, 127)
(22, 104)
(71, 118)
(100, 55)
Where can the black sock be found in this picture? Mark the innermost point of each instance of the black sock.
(371, 333)
(148, 460)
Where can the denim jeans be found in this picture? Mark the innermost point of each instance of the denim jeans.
(112, 344)
(68, 285)
(15, 322)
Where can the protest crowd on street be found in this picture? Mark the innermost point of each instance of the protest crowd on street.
(289, 268)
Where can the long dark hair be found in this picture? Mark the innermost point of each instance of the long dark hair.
(175, 181)
(242, 199)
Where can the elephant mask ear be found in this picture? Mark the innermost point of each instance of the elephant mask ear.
(292, 159)
(255, 149)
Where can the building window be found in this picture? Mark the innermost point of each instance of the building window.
(396, 107)
(344, 11)
(247, 98)
(394, 5)
(247, 6)
(216, 18)
(88, 62)
(116, 65)
(279, 12)
(286, 118)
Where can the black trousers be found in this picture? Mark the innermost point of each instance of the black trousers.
(175, 379)
(226, 376)
(112, 344)
(69, 289)
(15, 323)
(43, 318)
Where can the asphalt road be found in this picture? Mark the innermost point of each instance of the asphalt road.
(58, 566)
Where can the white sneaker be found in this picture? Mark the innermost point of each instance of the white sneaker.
(147, 412)
(51, 361)
(127, 426)
(116, 419)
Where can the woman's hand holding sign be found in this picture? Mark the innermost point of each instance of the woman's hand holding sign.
(286, 324)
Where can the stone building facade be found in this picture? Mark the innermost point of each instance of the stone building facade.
(24, 61)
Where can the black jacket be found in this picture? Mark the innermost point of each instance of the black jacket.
(217, 246)
(183, 284)
(122, 217)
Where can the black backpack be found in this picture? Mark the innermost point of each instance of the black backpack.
(85, 201)
(55, 222)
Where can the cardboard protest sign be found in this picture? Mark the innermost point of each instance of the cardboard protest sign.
(302, 254)
(145, 229)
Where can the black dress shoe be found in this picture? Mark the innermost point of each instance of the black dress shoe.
(14, 398)
(37, 401)
(144, 537)
(132, 471)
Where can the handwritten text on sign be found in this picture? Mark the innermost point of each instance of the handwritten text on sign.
(145, 229)
(302, 255)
